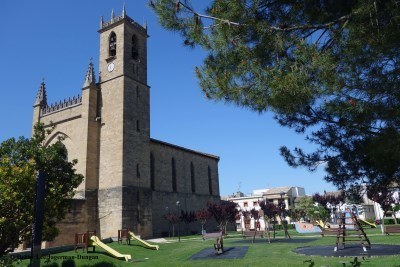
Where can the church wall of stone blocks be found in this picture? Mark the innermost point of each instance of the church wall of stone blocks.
(131, 180)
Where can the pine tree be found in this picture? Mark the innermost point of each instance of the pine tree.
(327, 69)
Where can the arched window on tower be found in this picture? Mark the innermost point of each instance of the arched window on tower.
(135, 51)
(209, 180)
(152, 172)
(173, 167)
(112, 46)
(192, 178)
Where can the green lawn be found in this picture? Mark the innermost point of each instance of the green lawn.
(259, 254)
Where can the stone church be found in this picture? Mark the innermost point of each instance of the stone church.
(131, 179)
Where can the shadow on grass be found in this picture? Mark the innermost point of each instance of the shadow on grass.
(140, 246)
(351, 250)
(293, 240)
(71, 263)
(101, 264)
(98, 252)
(277, 240)
(66, 263)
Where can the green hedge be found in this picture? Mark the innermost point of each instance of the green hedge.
(389, 221)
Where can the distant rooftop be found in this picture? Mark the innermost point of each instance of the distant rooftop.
(275, 191)
(278, 190)
(260, 191)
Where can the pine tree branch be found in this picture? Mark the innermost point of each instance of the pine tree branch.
(317, 116)
(282, 28)
(285, 28)
(209, 17)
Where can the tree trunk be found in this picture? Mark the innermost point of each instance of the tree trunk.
(221, 227)
(266, 225)
(394, 216)
(274, 226)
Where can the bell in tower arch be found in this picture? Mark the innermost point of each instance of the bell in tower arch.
(112, 48)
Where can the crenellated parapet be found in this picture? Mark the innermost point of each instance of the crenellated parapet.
(115, 19)
(58, 106)
(41, 98)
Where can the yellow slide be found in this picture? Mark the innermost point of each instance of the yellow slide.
(147, 245)
(321, 223)
(370, 224)
(96, 241)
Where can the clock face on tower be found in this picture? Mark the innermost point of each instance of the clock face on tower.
(110, 67)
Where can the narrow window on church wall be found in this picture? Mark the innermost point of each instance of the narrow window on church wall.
(137, 197)
(137, 171)
(137, 92)
(152, 172)
(137, 126)
(173, 167)
(112, 46)
(138, 215)
(209, 180)
(192, 177)
(135, 51)
(135, 69)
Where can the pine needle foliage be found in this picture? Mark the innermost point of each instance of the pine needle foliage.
(327, 69)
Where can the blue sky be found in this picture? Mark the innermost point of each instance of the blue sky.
(55, 40)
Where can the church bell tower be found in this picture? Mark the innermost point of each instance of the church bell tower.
(124, 171)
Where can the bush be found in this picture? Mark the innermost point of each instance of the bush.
(6, 261)
(389, 221)
(279, 227)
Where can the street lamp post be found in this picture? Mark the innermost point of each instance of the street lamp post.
(178, 205)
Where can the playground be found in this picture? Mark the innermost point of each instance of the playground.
(342, 240)
(239, 251)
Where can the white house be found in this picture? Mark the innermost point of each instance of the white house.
(248, 202)
(379, 212)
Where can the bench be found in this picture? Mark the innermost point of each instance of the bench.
(328, 231)
(390, 229)
(82, 240)
(219, 241)
(331, 229)
(123, 234)
(253, 234)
